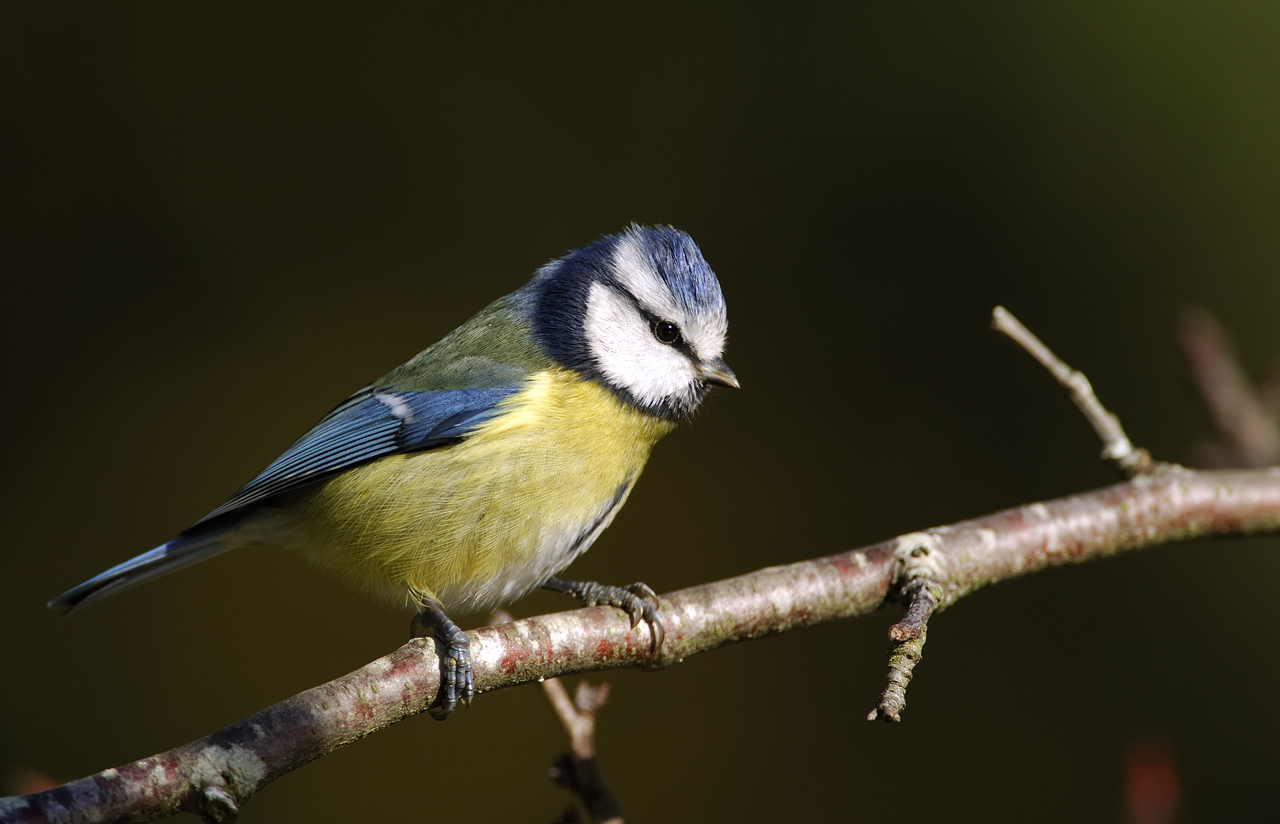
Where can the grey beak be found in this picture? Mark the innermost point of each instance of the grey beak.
(717, 372)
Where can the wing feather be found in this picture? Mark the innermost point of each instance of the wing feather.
(372, 424)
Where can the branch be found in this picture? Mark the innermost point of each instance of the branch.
(577, 770)
(1115, 444)
(1246, 417)
(907, 639)
(917, 583)
(215, 775)
(929, 570)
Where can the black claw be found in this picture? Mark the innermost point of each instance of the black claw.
(637, 600)
(457, 683)
(642, 589)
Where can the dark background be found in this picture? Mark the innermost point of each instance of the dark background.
(218, 221)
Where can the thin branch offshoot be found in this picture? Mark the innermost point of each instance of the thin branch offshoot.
(1115, 444)
(577, 770)
(1245, 415)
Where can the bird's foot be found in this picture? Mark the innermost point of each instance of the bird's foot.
(637, 600)
(457, 684)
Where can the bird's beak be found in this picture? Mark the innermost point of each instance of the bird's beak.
(718, 372)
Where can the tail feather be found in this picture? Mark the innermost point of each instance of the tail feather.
(181, 551)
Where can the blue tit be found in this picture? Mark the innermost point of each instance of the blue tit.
(483, 466)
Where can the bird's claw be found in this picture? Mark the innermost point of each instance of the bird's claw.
(637, 600)
(457, 683)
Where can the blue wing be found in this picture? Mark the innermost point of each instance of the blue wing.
(372, 424)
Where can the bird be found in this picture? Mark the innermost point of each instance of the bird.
(479, 469)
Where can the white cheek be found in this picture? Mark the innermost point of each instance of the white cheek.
(629, 355)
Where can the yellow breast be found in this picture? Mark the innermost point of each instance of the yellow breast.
(483, 521)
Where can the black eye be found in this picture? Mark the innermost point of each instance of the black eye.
(666, 331)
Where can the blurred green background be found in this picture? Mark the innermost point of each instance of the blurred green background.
(218, 220)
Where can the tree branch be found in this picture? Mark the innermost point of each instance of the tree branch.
(918, 583)
(929, 570)
(1115, 444)
(1246, 417)
(215, 775)
(577, 770)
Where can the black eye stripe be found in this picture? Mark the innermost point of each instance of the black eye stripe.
(679, 343)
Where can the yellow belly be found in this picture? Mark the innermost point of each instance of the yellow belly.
(483, 521)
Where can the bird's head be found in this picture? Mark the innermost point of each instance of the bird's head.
(641, 313)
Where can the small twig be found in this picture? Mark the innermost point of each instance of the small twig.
(908, 637)
(920, 582)
(1246, 417)
(578, 771)
(925, 596)
(1116, 446)
(577, 716)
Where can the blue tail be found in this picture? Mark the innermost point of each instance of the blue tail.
(181, 551)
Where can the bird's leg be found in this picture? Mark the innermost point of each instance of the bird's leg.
(456, 681)
(637, 600)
